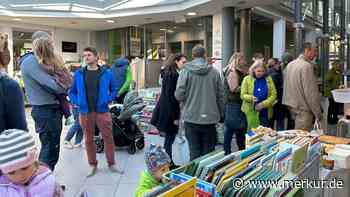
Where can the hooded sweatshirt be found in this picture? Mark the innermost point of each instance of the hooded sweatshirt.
(200, 88)
(146, 184)
(122, 73)
(43, 184)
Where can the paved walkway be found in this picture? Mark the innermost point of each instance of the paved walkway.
(72, 169)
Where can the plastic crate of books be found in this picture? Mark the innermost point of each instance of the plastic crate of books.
(175, 189)
(292, 155)
(185, 189)
(341, 95)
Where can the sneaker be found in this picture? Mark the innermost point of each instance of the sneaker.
(68, 144)
(92, 172)
(114, 169)
(69, 121)
(79, 145)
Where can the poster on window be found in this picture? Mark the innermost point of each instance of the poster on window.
(135, 47)
(217, 41)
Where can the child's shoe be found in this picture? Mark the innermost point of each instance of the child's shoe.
(78, 145)
(68, 144)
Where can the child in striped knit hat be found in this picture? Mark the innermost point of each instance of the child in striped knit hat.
(158, 163)
(21, 173)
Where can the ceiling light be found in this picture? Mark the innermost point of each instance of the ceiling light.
(170, 31)
(174, 27)
(17, 19)
(110, 21)
(200, 24)
(162, 29)
(191, 14)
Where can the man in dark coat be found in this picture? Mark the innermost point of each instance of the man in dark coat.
(275, 72)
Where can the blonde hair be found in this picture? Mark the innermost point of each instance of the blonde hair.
(45, 53)
(236, 58)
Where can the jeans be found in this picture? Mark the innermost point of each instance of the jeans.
(279, 115)
(235, 123)
(334, 110)
(48, 124)
(201, 139)
(290, 119)
(104, 123)
(75, 129)
(264, 119)
(168, 143)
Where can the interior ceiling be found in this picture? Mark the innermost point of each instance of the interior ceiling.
(84, 5)
(164, 11)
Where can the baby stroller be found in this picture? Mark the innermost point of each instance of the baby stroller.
(125, 130)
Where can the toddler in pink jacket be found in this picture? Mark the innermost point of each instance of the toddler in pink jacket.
(21, 173)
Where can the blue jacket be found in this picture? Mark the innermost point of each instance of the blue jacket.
(106, 92)
(119, 70)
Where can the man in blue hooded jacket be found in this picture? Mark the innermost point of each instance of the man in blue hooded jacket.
(93, 88)
(122, 73)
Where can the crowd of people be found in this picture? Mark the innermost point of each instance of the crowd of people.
(53, 92)
(244, 95)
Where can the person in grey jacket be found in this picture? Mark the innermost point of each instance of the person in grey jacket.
(41, 89)
(301, 93)
(200, 90)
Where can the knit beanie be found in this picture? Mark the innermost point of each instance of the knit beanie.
(17, 150)
(156, 157)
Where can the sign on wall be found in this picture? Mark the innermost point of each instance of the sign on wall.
(69, 47)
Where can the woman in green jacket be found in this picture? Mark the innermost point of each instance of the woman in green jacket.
(259, 94)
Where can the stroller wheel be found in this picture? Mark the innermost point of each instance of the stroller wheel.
(99, 145)
(140, 144)
(132, 149)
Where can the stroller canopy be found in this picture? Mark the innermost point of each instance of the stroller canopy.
(133, 103)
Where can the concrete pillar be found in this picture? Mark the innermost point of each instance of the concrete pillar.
(279, 37)
(228, 33)
(182, 47)
(299, 27)
(8, 31)
(245, 34)
(223, 36)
